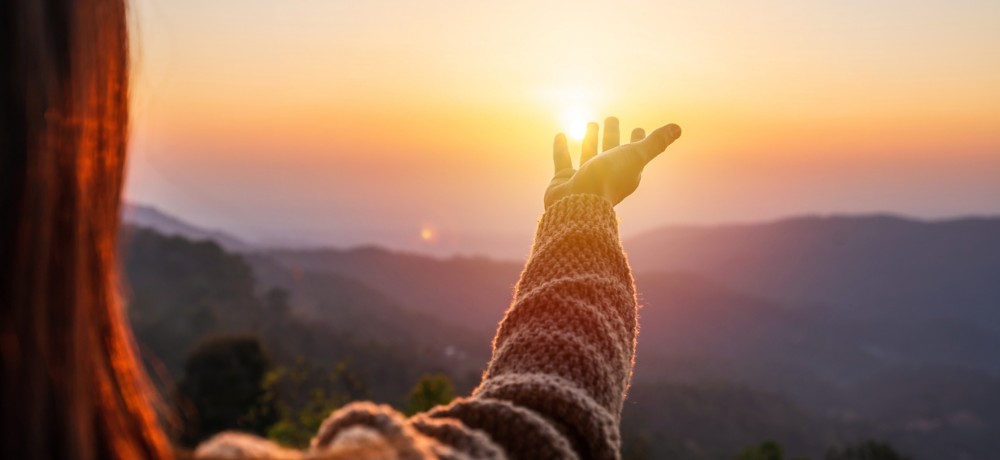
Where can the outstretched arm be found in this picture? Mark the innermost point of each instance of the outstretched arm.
(563, 354)
(562, 357)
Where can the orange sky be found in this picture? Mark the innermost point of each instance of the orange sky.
(348, 122)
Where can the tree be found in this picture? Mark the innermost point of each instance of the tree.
(222, 389)
(767, 450)
(431, 390)
(868, 450)
(306, 395)
(183, 292)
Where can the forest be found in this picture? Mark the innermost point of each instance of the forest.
(732, 363)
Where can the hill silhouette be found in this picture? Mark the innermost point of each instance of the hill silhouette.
(150, 217)
(852, 327)
(182, 292)
(354, 308)
(919, 292)
(471, 293)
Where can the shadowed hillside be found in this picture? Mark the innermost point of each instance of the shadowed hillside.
(470, 293)
(713, 420)
(878, 265)
(354, 309)
(183, 292)
(826, 330)
(920, 292)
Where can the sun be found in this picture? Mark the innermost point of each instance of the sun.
(574, 121)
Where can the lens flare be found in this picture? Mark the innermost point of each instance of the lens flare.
(428, 234)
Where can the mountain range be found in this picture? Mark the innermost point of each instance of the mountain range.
(850, 326)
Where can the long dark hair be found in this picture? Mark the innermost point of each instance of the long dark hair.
(71, 385)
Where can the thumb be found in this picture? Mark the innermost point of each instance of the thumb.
(657, 141)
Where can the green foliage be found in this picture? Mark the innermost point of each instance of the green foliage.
(296, 428)
(868, 450)
(306, 395)
(222, 389)
(710, 420)
(182, 292)
(431, 390)
(767, 450)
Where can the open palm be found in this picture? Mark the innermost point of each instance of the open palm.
(614, 173)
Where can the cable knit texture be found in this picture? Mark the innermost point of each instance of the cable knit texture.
(562, 362)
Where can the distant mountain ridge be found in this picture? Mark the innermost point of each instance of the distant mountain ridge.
(151, 217)
(941, 275)
(469, 292)
(876, 324)
(181, 292)
(948, 269)
(355, 308)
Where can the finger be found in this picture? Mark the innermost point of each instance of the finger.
(589, 148)
(560, 154)
(611, 138)
(638, 134)
(657, 142)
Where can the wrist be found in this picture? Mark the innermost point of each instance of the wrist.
(579, 207)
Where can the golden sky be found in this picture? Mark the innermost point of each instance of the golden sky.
(428, 124)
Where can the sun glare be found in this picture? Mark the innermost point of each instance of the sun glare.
(574, 121)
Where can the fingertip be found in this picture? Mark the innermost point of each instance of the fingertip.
(611, 136)
(658, 140)
(667, 134)
(674, 131)
(560, 146)
(638, 134)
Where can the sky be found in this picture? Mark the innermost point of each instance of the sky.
(428, 125)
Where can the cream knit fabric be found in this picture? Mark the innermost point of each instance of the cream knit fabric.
(562, 362)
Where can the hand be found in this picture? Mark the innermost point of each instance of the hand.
(615, 173)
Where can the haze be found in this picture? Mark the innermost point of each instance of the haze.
(428, 125)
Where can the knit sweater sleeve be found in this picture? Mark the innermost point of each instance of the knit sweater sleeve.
(562, 360)
(564, 351)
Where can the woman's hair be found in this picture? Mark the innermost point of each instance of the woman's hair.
(71, 384)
